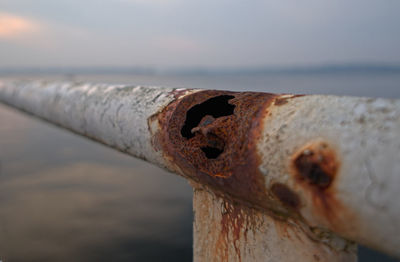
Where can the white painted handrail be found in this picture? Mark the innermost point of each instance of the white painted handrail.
(276, 177)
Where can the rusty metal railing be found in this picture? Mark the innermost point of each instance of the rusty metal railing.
(275, 177)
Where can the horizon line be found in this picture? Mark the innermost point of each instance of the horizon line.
(205, 70)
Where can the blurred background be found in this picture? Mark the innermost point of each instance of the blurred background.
(65, 198)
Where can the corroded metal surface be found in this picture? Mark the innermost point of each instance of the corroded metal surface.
(315, 168)
(229, 124)
(316, 165)
(298, 177)
(323, 165)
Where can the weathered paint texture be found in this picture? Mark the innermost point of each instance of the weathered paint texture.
(340, 157)
(316, 166)
(115, 115)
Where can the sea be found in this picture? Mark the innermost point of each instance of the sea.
(66, 198)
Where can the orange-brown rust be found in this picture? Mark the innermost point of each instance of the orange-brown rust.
(236, 221)
(211, 137)
(316, 167)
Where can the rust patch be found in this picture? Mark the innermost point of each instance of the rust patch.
(285, 195)
(236, 221)
(316, 169)
(317, 165)
(210, 137)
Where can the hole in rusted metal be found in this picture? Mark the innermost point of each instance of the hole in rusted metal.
(211, 152)
(227, 122)
(216, 107)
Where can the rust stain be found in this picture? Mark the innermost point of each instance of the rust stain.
(236, 221)
(285, 195)
(211, 137)
(316, 167)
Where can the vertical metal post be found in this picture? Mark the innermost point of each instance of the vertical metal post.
(225, 230)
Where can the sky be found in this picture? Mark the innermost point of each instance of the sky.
(206, 33)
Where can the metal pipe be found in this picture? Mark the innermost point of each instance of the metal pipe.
(324, 165)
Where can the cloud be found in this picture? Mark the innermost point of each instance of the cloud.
(12, 26)
(198, 33)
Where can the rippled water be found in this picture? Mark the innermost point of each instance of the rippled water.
(65, 198)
